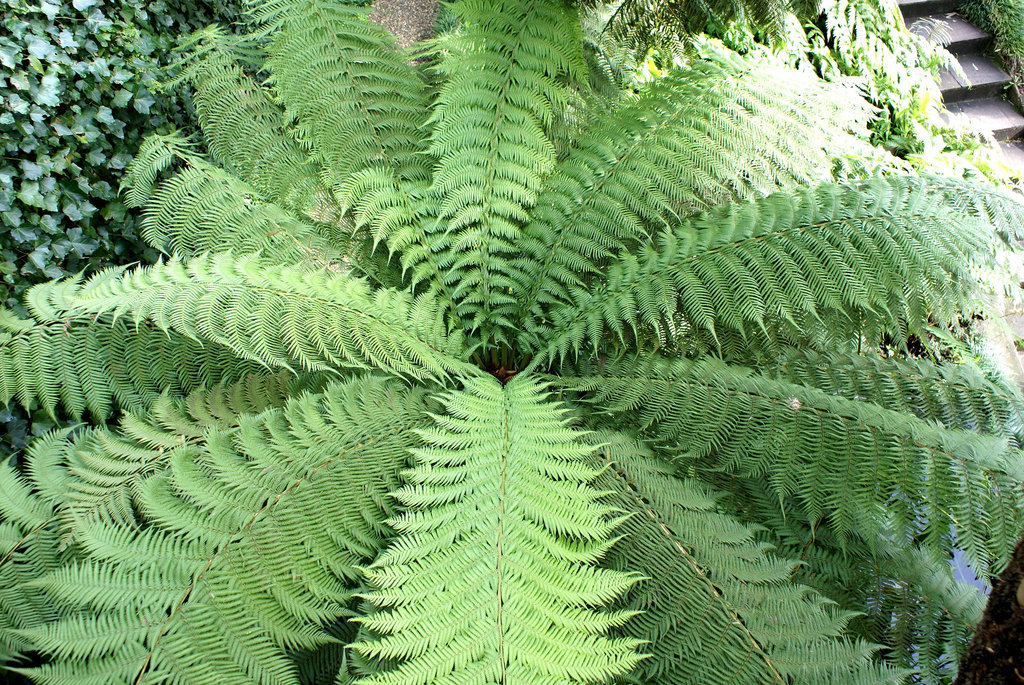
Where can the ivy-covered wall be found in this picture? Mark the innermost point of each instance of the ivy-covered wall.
(76, 98)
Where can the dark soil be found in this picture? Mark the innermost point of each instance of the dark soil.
(996, 654)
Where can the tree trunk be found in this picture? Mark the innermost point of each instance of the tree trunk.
(409, 21)
(996, 654)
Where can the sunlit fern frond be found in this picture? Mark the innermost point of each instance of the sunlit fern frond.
(492, 578)
(306, 320)
(97, 365)
(506, 82)
(95, 475)
(222, 583)
(706, 134)
(476, 366)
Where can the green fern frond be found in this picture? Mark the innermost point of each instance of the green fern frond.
(666, 25)
(784, 258)
(359, 109)
(506, 72)
(219, 407)
(205, 209)
(908, 597)
(931, 615)
(1000, 207)
(95, 474)
(353, 100)
(244, 128)
(280, 317)
(492, 578)
(224, 579)
(156, 155)
(715, 607)
(850, 466)
(388, 225)
(956, 395)
(90, 364)
(714, 131)
(28, 550)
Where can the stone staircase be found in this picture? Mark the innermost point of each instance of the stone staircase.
(978, 98)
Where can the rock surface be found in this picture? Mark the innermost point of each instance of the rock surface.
(409, 21)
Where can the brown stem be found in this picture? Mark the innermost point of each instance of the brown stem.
(996, 654)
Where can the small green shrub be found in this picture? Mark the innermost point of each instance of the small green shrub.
(1004, 19)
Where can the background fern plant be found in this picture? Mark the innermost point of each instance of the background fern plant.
(455, 375)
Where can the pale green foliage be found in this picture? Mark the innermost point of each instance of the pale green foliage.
(492, 139)
(871, 40)
(425, 390)
(502, 522)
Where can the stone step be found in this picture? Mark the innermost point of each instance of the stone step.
(1013, 153)
(991, 114)
(982, 78)
(952, 31)
(912, 9)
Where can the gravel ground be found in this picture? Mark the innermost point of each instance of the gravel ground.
(408, 20)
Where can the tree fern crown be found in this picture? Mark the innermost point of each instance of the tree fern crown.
(467, 367)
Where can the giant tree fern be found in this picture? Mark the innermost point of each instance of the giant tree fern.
(447, 378)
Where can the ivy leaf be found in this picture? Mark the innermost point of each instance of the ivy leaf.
(39, 257)
(143, 103)
(47, 93)
(12, 217)
(104, 115)
(121, 98)
(39, 48)
(30, 195)
(16, 103)
(30, 170)
(49, 9)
